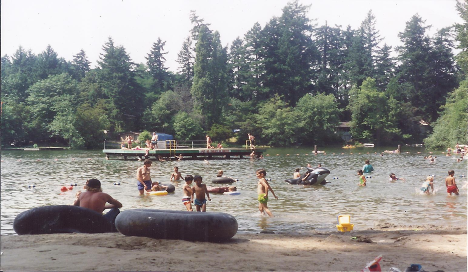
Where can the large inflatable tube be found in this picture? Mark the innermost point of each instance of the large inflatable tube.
(312, 177)
(223, 180)
(170, 188)
(179, 225)
(60, 219)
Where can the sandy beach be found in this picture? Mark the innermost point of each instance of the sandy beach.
(435, 248)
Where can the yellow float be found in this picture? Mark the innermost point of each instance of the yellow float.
(158, 193)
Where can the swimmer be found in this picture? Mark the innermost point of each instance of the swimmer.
(393, 178)
(220, 174)
(426, 184)
(155, 186)
(176, 176)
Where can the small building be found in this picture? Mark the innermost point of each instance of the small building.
(344, 130)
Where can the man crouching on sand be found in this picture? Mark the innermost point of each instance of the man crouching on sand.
(94, 199)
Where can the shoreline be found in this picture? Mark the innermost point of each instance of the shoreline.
(435, 248)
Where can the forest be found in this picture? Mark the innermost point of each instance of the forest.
(290, 82)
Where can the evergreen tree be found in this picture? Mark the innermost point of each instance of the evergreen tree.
(155, 62)
(80, 65)
(238, 70)
(253, 89)
(289, 54)
(462, 36)
(48, 63)
(185, 59)
(421, 67)
(385, 67)
(20, 75)
(117, 78)
(209, 89)
(330, 44)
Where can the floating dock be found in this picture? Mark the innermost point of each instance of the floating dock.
(184, 154)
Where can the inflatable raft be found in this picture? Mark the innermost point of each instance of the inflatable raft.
(60, 219)
(219, 180)
(179, 225)
(311, 177)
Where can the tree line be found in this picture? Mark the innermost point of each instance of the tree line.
(288, 82)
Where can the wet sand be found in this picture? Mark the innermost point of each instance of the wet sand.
(435, 248)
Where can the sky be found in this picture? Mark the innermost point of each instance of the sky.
(69, 26)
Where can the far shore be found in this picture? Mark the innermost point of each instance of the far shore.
(435, 248)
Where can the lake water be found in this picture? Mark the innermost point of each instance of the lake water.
(298, 209)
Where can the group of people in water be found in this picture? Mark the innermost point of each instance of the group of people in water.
(450, 183)
(93, 198)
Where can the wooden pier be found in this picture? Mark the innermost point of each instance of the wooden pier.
(184, 154)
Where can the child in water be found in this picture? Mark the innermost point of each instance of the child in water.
(450, 183)
(188, 192)
(393, 178)
(262, 190)
(155, 186)
(200, 190)
(362, 178)
(426, 184)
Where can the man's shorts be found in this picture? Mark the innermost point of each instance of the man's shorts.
(147, 183)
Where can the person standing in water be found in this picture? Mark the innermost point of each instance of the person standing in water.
(262, 191)
(199, 190)
(450, 183)
(143, 177)
(176, 176)
(362, 178)
(188, 192)
(367, 168)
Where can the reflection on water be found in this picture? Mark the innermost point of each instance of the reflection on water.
(34, 178)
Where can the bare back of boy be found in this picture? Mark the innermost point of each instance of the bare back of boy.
(96, 201)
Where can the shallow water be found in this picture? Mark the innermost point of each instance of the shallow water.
(298, 209)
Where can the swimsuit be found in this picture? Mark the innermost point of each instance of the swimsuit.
(425, 186)
(452, 189)
(147, 183)
(186, 199)
(262, 198)
(361, 180)
(200, 202)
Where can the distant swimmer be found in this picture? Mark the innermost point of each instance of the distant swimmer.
(393, 178)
